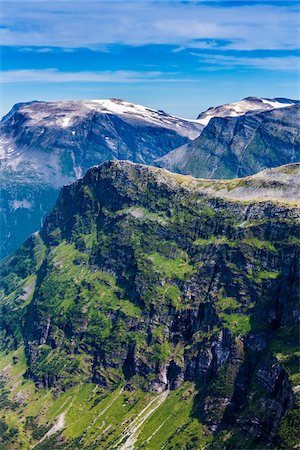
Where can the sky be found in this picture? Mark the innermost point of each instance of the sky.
(178, 56)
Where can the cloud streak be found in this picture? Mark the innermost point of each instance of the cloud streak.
(221, 62)
(184, 24)
(56, 76)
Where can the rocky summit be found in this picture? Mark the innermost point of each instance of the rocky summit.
(238, 142)
(248, 104)
(44, 145)
(155, 310)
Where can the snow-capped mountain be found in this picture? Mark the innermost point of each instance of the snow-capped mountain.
(240, 145)
(44, 145)
(59, 141)
(248, 104)
(67, 113)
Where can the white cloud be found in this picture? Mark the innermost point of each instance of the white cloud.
(38, 50)
(56, 76)
(219, 62)
(73, 24)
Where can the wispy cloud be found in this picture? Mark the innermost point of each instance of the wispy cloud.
(221, 62)
(77, 24)
(56, 76)
(38, 50)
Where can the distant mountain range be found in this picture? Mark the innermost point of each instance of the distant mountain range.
(45, 145)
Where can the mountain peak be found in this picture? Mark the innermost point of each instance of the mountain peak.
(66, 113)
(246, 105)
(238, 143)
(142, 286)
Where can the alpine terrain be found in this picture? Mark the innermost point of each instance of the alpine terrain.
(242, 107)
(240, 139)
(44, 145)
(156, 311)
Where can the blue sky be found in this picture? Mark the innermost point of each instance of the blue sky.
(180, 56)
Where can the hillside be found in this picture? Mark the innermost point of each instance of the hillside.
(155, 310)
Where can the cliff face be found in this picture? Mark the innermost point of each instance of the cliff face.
(154, 280)
(240, 146)
(45, 145)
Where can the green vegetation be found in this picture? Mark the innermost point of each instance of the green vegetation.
(94, 417)
(260, 244)
(285, 347)
(171, 294)
(224, 303)
(290, 169)
(289, 430)
(265, 275)
(218, 240)
(127, 290)
(171, 268)
(238, 324)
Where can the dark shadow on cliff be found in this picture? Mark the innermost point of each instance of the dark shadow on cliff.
(262, 393)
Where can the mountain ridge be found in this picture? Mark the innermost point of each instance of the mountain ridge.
(153, 288)
(238, 146)
(244, 106)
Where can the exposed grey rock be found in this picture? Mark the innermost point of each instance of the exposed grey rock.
(239, 146)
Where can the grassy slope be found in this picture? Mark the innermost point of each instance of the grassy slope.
(93, 417)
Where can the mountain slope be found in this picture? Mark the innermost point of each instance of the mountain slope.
(44, 145)
(239, 146)
(162, 307)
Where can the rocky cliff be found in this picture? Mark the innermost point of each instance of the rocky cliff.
(164, 291)
(239, 145)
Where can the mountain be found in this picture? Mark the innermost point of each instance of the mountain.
(239, 146)
(242, 107)
(44, 145)
(155, 310)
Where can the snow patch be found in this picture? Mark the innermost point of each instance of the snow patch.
(63, 114)
(65, 122)
(276, 104)
(240, 108)
(205, 120)
(77, 169)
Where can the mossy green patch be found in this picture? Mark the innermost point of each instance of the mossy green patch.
(170, 293)
(238, 324)
(262, 275)
(224, 303)
(171, 268)
(260, 244)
